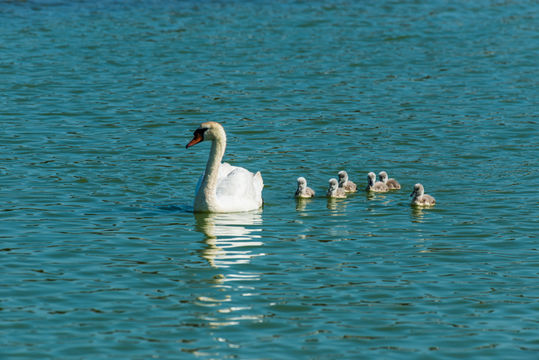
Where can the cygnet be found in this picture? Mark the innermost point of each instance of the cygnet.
(303, 191)
(346, 184)
(420, 198)
(392, 184)
(334, 191)
(375, 186)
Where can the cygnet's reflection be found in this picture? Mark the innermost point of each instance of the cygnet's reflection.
(230, 237)
(301, 204)
(371, 195)
(337, 206)
(417, 214)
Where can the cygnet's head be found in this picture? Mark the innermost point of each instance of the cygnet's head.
(418, 190)
(343, 176)
(333, 184)
(372, 178)
(383, 176)
(210, 130)
(302, 183)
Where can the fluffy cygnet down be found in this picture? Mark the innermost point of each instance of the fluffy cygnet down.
(375, 186)
(334, 191)
(303, 191)
(346, 184)
(420, 198)
(392, 184)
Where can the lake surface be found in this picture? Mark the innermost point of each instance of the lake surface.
(102, 257)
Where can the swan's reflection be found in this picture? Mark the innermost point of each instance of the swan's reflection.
(230, 237)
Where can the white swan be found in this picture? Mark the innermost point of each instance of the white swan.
(420, 198)
(376, 186)
(346, 184)
(303, 190)
(334, 191)
(223, 187)
(392, 184)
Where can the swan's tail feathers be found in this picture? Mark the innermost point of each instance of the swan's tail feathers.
(259, 185)
(258, 182)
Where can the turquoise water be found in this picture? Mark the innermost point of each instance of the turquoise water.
(102, 257)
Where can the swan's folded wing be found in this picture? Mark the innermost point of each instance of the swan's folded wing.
(236, 184)
(224, 170)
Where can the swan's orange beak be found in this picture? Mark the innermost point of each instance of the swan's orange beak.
(196, 139)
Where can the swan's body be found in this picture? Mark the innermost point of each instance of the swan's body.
(303, 191)
(334, 191)
(420, 198)
(392, 184)
(346, 184)
(223, 187)
(375, 186)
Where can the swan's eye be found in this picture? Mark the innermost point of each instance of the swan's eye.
(200, 132)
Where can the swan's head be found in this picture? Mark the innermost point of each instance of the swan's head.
(383, 176)
(371, 177)
(333, 185)
(418, 190)
(210, 130)
(302, 183)
(343, 177)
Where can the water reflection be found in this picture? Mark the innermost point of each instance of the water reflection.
(371, 195)
(418, 213)
(229, 237)
(231, 240)
(301, 204)
(337, 206)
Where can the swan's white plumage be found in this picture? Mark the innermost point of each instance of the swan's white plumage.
(223, 187)
(238, 188)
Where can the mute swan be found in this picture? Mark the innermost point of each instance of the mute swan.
(376, 186)
(223, 187)
(420, 198)
(392, 184)
(346, 184)
(303, 190)
(334, 191)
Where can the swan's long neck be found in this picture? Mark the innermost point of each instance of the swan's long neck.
(214, 161)
(207, 192)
